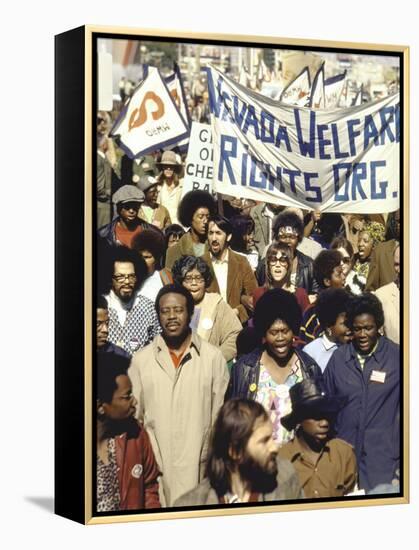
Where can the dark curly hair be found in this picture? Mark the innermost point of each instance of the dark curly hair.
(330, 304)
(241, 226)
(190, 204)
(101, 302)
(277, 305)
(173, 229)
(124, 254)
(324, 264)
(185, 264)
(288, 219)
(109, 367)
(151, 240)
(365, 303)
(175, 289)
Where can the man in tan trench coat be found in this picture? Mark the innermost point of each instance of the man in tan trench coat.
(179, 381)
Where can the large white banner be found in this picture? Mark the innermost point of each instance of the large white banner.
(340, 160)
(150, 120)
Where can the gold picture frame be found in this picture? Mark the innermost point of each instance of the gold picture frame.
(76, 105)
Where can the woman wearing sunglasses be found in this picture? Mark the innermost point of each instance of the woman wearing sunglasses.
(278, 269)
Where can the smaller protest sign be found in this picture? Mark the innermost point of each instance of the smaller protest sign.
(199, 162)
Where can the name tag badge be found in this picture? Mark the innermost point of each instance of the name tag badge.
(378, 376)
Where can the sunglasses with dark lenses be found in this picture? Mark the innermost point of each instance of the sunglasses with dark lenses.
(283, 260)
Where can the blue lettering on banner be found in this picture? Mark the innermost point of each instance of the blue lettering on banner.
(253, 181)
(251, 120)
(370, 131)
(356, 177)
(341, 195)
(238, 116)
(244, 169)
(387, 116)
(282, 135)
(397, 121)
(353, 134)
(382, 194)
(228, 149)
(292, 175)
(338, 153)
(312, 188)
(323, 142)
(306, 147)
(359, 173)
(267, 133)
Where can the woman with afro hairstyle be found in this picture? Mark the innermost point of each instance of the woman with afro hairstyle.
(269, 371)
(195, 210)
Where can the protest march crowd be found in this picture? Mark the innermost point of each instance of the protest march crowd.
(247, 351)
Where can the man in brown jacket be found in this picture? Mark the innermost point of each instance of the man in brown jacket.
(233, 277)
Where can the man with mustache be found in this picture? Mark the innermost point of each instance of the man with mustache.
(325, 465)
(179, 381)
(243, 463)
(133, 322)
(366, 372)
(233, 276)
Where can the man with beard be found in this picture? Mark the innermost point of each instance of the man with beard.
(233, 277)
(126, 468)
(133, 322)
(195, 210)
(243, 463)
(179, 381)
(326, 466)
(366, 372)
(126, 225)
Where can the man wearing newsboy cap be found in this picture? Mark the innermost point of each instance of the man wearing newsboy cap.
(126, 224)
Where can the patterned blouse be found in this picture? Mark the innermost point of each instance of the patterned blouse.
(275, 398)
(107, 488)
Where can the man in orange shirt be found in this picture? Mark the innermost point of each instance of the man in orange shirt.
(179, 381)
(126, 225)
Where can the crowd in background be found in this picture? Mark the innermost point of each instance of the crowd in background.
(246, 351)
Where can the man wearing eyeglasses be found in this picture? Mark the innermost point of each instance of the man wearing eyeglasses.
(133, 322)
